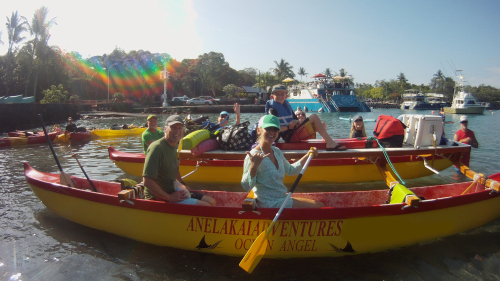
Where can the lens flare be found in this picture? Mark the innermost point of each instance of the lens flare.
(133, 76)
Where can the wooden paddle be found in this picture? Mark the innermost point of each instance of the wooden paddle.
(259, 246)
(91, 184)
(65, 178)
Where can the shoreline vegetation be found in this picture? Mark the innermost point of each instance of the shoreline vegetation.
(34, 68)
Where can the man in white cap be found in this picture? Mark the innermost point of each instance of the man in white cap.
(161, 169)
(464, 135)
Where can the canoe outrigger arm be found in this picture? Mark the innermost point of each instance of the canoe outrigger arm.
(479, 178)
(249, 204)
(411, 200)
(197, 165)
(434, 170)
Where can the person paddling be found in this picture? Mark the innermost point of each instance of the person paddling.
(265, 167)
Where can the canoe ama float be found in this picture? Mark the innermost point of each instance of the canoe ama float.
(351, 223)
(353, 165)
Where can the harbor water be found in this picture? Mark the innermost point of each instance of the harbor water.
(36, 244)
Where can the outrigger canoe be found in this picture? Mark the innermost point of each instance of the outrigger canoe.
(21, 140)
(119, 133)
(351, 223)
(353, 165)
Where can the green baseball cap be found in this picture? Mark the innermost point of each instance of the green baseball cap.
(152, 116)
(269, 121)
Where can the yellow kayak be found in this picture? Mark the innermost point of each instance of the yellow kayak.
(118, 133)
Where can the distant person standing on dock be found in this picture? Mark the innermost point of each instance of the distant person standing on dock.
(152, 133)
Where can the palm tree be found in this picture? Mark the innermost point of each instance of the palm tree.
(437, 80)
(402, 81)
(15, 28)
(341, 73)
(43, 54)
(283, 69)
(328, 73)
(302, 72)
(39, 27)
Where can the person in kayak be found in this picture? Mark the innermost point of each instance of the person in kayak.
(161, 169)
(291, 129)
(152, 133)
(265, 167)
(71, 127)
(358, 127)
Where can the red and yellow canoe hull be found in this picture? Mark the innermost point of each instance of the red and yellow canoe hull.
(352, 223)
(230, 171)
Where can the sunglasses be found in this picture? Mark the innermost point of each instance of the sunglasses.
(223, 116)
(301, 114)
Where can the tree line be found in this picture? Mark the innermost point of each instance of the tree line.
(32, 67)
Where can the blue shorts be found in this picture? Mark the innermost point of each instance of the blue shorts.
(188, 201)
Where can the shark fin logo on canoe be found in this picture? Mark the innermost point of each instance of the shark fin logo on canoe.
(203, 245)
(347, 249)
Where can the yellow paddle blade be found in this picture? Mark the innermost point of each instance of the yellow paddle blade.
(255, 253)
(66, 180)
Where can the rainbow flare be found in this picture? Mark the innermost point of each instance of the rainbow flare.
(130, 76)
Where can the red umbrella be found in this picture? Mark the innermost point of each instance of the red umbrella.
(318, 76)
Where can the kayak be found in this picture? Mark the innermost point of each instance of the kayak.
(352, 223)
(353, 165)
(75, 136)
(118, 133)
(22, 140)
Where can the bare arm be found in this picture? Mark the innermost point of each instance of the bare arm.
(304, 158)
(236, 109)
(159, 193)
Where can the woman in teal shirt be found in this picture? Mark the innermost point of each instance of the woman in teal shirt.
(265, 167)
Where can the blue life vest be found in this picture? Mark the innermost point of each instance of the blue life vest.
(285, 111)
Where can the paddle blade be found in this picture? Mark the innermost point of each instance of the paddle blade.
(255, 253)
(66, 180)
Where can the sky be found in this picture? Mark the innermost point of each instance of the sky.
(371, 40)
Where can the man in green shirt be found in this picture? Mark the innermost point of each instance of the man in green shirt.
(161, 169)
(151, 133)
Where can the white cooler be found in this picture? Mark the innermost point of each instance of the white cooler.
(420, 129)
